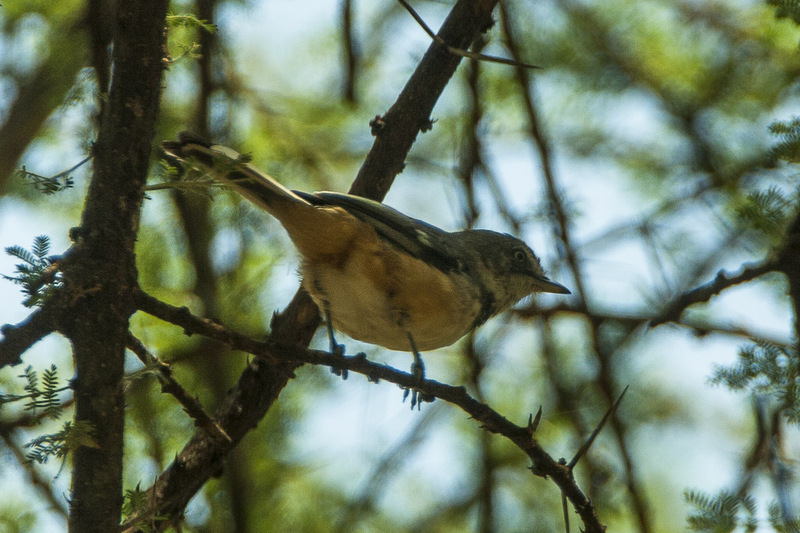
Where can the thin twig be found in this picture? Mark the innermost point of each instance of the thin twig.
(588, 443)
(44, 485)
(60, 174)
(458, 51)
(350, 52)
(169, 384)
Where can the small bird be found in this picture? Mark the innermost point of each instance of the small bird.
(376, 274)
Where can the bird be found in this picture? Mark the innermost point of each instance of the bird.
(376, 274)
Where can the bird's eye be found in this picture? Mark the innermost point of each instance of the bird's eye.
(520, 256)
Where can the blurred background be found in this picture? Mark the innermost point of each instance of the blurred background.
(638, 162)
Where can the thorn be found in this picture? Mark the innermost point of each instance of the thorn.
(426, 125)
(533, 422)
(537, 471)
(376, 125)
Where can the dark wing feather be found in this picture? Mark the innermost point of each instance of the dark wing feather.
(418, 238)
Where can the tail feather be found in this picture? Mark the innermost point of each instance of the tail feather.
(233, 169)
(319, 233)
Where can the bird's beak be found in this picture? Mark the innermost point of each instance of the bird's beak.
(545, 285)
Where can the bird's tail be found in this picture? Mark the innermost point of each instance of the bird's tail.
(233, 169)
(317, 232)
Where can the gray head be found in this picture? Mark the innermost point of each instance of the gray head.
(509, 268)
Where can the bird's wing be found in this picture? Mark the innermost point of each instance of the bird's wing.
(413, 236)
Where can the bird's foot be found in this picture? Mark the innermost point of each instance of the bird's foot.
(337, 351)
(417, 396)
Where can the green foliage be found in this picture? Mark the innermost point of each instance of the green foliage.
(58, 445)
(786, 9)
(696, 75)
(47, 184)
(135, 500)
(788, 148)
(192, 180)
(36, 274)
(723, 513)
(17, 516)
(191, 176)
(769, 212)
(771, 372)
(41, 396)
(779, 524)
(766, 369)
(55, 183)
(44, 399)
(187, 47)
(46, 446)
(185, 20)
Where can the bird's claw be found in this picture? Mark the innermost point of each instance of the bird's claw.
(337, 350)
(417, 396)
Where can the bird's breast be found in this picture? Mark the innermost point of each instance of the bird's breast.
(378, 294)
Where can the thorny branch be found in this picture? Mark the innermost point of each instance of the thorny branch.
(170, 385)
(543, 464)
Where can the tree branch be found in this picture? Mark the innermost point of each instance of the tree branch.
(396, 131)
(17, 339)
(95, 300)
(262, 381)
(39, 95)
(561, 225)
(788, 262)
(170, 385)
(522, 436)
(703, 293)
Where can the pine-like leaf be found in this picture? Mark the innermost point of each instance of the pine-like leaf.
(34, 274)
(21, 253)
(41, 246)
